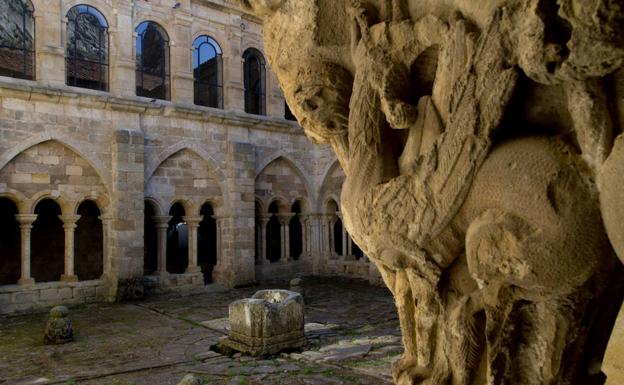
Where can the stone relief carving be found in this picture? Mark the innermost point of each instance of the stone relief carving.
(484, 159)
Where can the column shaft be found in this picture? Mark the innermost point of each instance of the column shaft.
(69, 225)
(26, 225)
(162, 223)
(106, 262)
(345, 255)
(192, 224)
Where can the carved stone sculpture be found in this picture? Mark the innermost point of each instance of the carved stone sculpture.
(477, 139)
(59, 328)
(269, 322)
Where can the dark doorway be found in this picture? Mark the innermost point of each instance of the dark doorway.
(10, 243)
(274, 238)
(47, 243)
(357, 252)
(150, 239)
(177, 241)
(338, 236)
(88, 241)
(207, 242)
(295, 232)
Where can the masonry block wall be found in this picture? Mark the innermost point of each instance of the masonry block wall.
(160, 180)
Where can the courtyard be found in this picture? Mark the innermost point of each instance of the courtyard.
(352, 330)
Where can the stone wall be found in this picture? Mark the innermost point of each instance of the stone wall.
(71, 144)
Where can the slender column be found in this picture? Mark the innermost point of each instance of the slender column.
(162, 223)
(69, 224)
(264, 220)
(26, 225)
(285, 232)
(326, 239)
(349, 245)
(219, 221)
(332, 241)
(304, 234)
(345, 255)
(283, 256)
(106, 262)
(192, 224)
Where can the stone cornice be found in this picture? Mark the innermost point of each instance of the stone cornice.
(229, 6)
(32, 91)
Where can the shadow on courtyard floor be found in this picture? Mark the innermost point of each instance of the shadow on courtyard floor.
(352, 330)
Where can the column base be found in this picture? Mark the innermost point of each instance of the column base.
(26, 281)
(69, 278)
(193, 269)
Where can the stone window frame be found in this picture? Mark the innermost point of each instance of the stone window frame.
(104, 46)
(27, 14)
(259, 91)
(197, 44)
(165, 73)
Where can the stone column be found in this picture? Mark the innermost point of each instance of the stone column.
(349, 246)
(69, 224)
(264, 220)
(192, 224)
(345, 254)
(304, 234)
(219, 222)
(25, 224)
(316, 242)
(106, 258)
(285, 235)
(331, 222)
(162, 223)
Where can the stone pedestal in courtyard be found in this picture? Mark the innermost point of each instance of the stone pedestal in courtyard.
(267, 323)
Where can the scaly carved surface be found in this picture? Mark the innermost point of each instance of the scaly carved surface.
(472, 136)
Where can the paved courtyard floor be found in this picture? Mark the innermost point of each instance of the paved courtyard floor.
(352, 330)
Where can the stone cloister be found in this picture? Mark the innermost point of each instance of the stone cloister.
(151, 141)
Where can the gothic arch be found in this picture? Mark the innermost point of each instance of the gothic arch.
(329, 188)
(187, 176)
(154, 162)
(296, 165)
(66, 141)
(282, 178)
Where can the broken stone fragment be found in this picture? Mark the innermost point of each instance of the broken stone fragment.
(268, 323)
(59, 327)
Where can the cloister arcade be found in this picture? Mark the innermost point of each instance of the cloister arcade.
(140, 146)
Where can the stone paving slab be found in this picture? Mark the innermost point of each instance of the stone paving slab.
(158, 341)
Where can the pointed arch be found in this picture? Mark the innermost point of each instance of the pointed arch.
(297, 166)
(153, 163)
(331, 184)
(66, 141)
(281, 177)
(185, 173)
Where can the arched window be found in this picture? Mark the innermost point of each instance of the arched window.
(177, 240)
(207, 72)
(17, 39)
(254, 81)
(152, 61)
(86, 52)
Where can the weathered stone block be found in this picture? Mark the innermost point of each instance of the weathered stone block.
(267, 323)
(59, 327)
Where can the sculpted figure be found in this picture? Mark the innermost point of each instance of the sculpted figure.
(477, 139)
